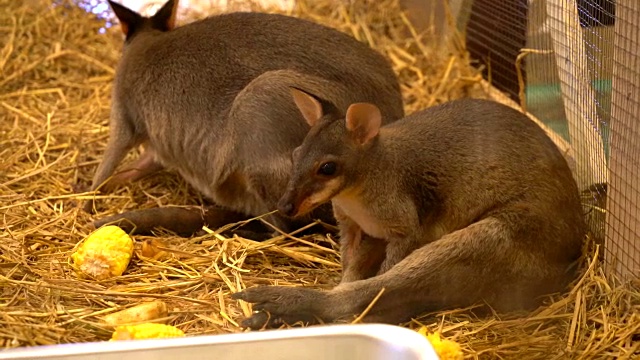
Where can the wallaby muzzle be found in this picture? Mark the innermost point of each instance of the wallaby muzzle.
(286, 208)
(287, 203)
(296, 202)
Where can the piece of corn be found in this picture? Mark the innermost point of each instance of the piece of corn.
(146, 311)
(103, 254)
(446, 349)
(145, 331)
(152, 248)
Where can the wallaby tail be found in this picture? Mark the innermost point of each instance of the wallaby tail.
(179, 220)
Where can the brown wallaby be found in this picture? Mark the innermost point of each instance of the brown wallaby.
(464, 203)
(211, 100)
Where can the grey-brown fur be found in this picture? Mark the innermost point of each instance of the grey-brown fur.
(211, 100)
(470, 203)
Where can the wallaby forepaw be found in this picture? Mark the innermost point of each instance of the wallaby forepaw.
(278, 305)
(280, 298)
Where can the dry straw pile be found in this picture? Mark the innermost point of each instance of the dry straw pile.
(55, 80)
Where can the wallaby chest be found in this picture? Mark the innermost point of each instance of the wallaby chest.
(361, 215)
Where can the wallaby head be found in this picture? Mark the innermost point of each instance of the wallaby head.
(132, 23)
(326, 162)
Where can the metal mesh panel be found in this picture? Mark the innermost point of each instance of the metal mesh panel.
(580, 54)
(596, 12)
(623, 240)
(496, 31)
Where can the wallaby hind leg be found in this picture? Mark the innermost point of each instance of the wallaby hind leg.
(121, 139)
(364, 260)
(361, 255)
(142, 167)
(480, 263)
(396, 250)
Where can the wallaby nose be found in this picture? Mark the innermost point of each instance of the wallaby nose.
(286, 208)
(285, 205)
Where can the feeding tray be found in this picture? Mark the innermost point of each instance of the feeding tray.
(335, 342)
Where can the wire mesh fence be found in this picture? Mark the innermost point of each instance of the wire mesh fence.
(498, 24)
(623, 218)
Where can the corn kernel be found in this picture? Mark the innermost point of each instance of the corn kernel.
(105, 253)
(145, 311)
(145, 331)
(446, 349)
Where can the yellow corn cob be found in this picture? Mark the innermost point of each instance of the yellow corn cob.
(446, 349)
(103, 254)
(142, 312)
(145, 331)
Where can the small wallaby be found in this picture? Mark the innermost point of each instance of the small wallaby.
(460, 204)
(211, 100)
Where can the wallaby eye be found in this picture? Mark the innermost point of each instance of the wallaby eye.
(329, 168)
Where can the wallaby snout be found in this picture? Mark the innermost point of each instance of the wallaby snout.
(306, 194)
(294, 202)
(285, 205)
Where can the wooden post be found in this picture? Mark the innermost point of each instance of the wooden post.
(460, 12)
(424, 14)
(622, 242)
(577, 94)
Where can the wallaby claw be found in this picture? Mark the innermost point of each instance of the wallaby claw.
(263, 320)
(257, 321)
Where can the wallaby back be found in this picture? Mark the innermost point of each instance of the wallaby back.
(211, 99)
(473, 202)
(217, 57)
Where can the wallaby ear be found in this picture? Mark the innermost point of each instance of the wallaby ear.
(309, 106)
(363, 121)
(165, 18)
(128, 18)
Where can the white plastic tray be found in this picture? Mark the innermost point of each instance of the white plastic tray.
(335, 342)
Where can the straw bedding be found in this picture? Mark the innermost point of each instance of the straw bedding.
(56, 72)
